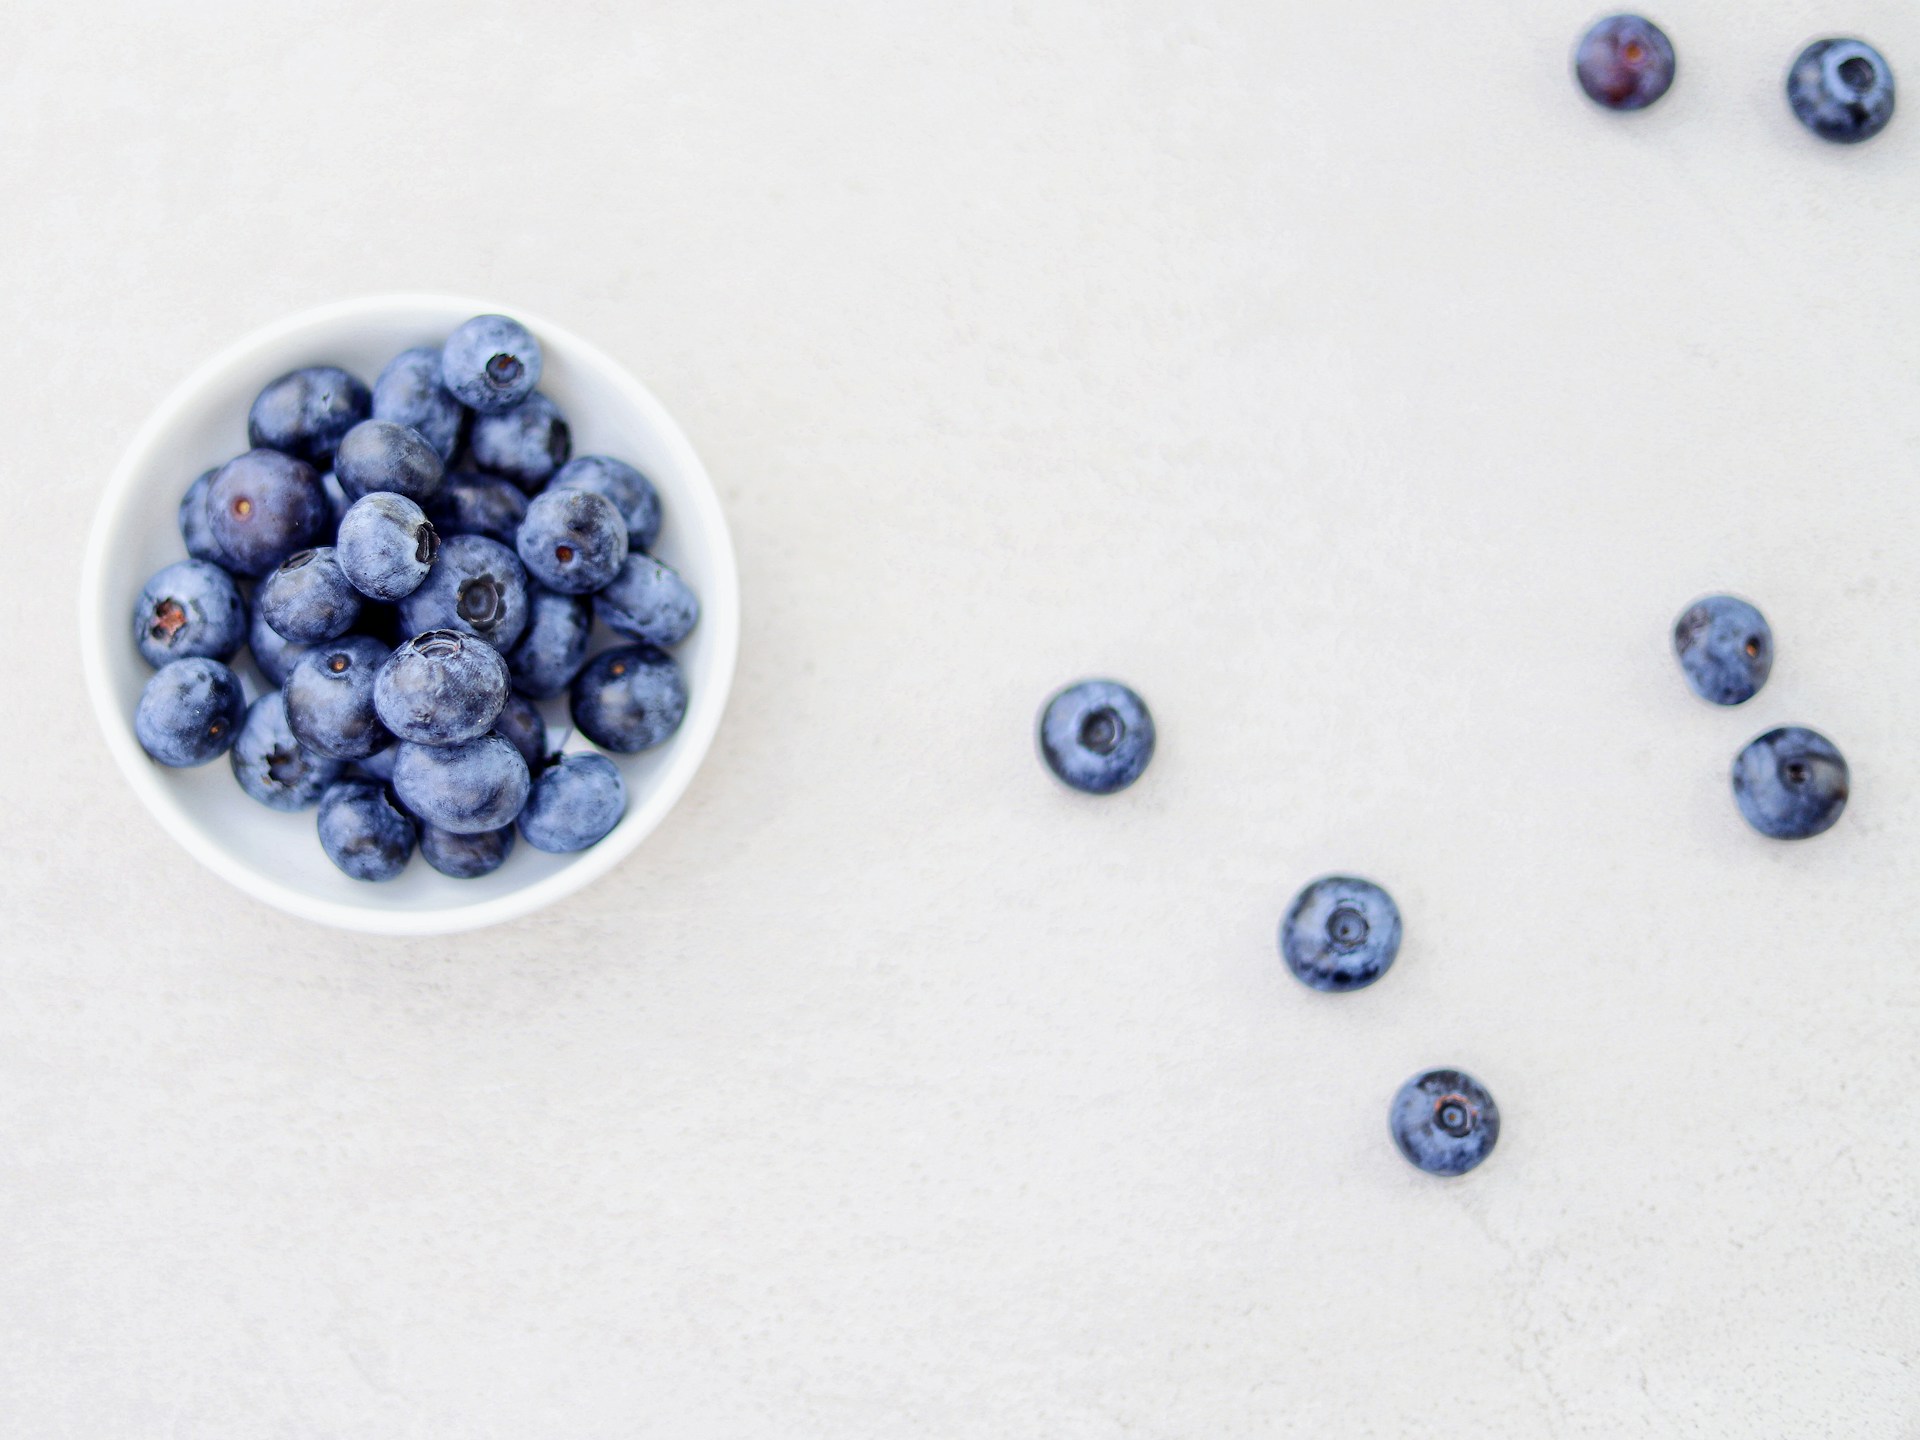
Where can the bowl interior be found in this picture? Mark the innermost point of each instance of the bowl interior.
(275, 856)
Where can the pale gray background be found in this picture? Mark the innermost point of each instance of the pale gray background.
(1327, 369)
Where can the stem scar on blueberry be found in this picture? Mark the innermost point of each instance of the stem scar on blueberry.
(1101, 731)
(1795, 772)
(338, 663)
(168, 617)
(243, 507)
(563, 553)
(503, 369)
(1753, 646)
(617, 669)
(1452, 1114)
(1347, 928)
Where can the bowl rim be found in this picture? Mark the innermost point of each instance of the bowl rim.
(720, 619)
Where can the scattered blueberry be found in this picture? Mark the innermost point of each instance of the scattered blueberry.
(572, 541)
(575, 800)
(330, 698)
(1444, 1122)
(526, 444)
(1624, 62)
(554, 646)
(1841, 90)
(409, 393)
(1340, 934)
(440, 688)
(472, 504)
(479, 784)
(647, 600)
(196, 526)
(190, 608)
(309, 598)
(477, 586)
(387, 546)
(490, 364)
(272, 651)
(521, 722)
(629, 698)
(363, 832)
(1096, 736)
(304, 414)
(262, 506)
(466, 857)
(1725, 648)
(190, 712)
(1790, 783)
(272, 766)
(630, 491)
(378, 455)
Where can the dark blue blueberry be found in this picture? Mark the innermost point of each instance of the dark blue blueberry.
(409, 393)
(1444, 1122)
(387, 546)
(632, 492)
(1725, 648)
(466, 857)
(309, 598)
(190, 712)
(521, 722)
(1790, 783)
(272, 766)
(262, 506)
(1340, 934)
(471, 504)
(477, 785)
(1096, 736)
(572, 541)
(378, 455)
(647, 600)
(190, 608)
(380, 764)
(478, 587)
(575, 800)
(363, 831)
(330, 706)
(304, 414)
(629, 698)
(1841, 90)
(440, 688)
(490, 364)
(272, 651)
(196, 526)
(1624, 62)
(554, 646)
(526, 444)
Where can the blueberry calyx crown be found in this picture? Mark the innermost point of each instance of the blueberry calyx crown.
(1347, 928)
(1102, 731)
(168, 616)
(297, 559)
(1453, 1113)
(437, 644)
(426, 543)
(481, 601)
(504, 369)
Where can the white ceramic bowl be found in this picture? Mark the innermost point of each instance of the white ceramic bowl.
(276, 857)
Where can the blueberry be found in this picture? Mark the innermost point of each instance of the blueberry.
(490, 364)
(272, 651)
(441, 688)
(477, 586)
(363, 831)
(574, 802)
(1841, 90)
(309, 598)
(272, 766)
(554, 646)
(647, 600)
(378, 455)
(387, 546)
(1444, 1122)
(479, 784)
(526, 444)
(409, 393)
(380, 764)
(521, 722)
(330, 706)
(629, 698)
(470, 504)
(1340, 934)
(1096, 736)
(304, 414)
(190, 608)
(1725, 648)
(262, 506)
(196, 525)
(190, 712)
(1624, 62)
(572, 541)
(1790, 783)
(632, 492)
(466, 857)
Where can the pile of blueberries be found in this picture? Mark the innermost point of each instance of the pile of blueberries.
(1342, 933)
(407, 615)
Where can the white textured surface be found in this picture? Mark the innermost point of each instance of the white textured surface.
(1328, 370)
